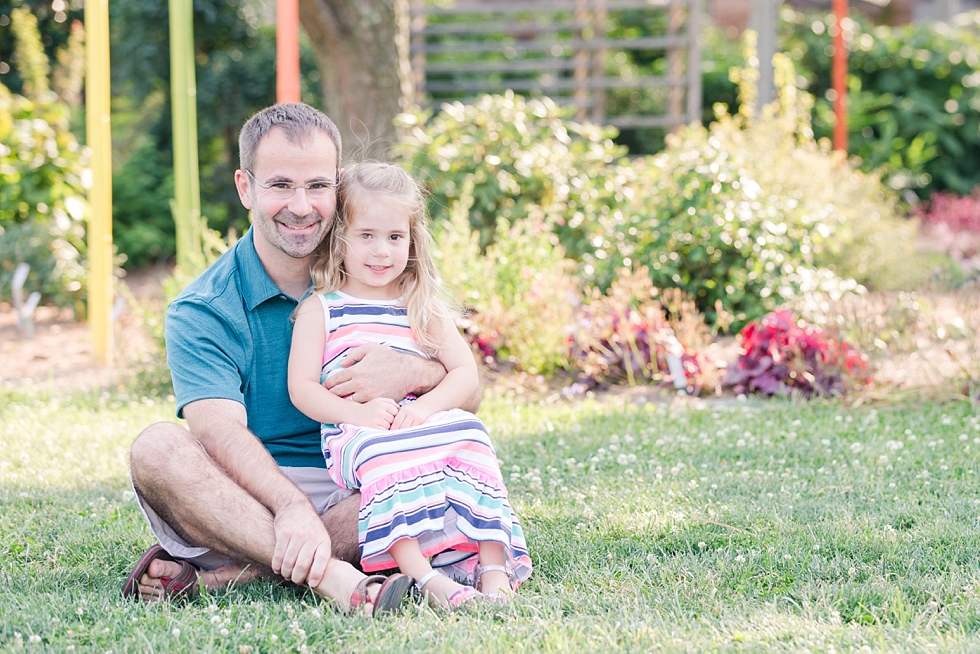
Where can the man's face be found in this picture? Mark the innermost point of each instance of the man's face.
(294, 225)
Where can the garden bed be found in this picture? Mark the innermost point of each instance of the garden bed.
(932, 348)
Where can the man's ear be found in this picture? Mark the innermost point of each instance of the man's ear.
(244, 185)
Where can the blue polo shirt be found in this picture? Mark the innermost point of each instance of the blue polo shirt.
(228, 336)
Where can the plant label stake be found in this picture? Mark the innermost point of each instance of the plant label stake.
(24, 309)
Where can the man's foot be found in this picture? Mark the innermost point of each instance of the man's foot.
(377, 595)
(152, 584)
(157, 580)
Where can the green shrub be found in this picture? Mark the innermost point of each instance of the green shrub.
(744, 213)
(519, 296)
(514, 153)
(42, 206)
(143, 224)
(913, 100)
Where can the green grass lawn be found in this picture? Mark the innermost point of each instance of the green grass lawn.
(674, 526)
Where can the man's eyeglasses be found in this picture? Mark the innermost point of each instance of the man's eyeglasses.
(284, 190)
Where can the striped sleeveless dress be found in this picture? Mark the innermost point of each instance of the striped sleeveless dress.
(438, 482)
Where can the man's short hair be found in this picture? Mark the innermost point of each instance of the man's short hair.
(298, 121)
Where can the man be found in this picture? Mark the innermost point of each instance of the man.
(245, 491)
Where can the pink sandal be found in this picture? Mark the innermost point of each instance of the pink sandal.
(498, 597)
(454, 601)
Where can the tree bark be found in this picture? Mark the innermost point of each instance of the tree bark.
(362, 55)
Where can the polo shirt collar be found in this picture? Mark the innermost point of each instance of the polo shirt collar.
(256, 285)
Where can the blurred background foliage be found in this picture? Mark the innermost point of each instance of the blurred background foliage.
(42, 167)
(914, 96)
(914, 113)
(235, 51)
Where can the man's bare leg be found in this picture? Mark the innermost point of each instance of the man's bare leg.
(341, 523)
(176, 477)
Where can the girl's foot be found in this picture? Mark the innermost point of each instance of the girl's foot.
(442, 592)
(494, 582)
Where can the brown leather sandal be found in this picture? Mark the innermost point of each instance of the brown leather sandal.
(183, 585)
(389, 597)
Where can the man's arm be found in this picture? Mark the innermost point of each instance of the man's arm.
(382, 372)
(302, 542)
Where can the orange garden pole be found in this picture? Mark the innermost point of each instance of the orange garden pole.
(839, 77)
(287, 51)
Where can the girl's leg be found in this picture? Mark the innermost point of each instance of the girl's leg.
(493, 582)
(408, 556)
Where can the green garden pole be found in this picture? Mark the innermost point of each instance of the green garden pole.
(183, 91)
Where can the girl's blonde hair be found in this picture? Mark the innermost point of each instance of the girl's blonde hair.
(419, 284)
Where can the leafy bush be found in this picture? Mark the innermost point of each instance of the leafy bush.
(743, 214)
(781, 356)
(42, 206)
(513, 153)
(143, 222)
(518, 297)
(913, 100)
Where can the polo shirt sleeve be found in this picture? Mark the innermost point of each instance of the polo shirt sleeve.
(205, 353)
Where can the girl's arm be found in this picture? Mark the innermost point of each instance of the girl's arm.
(305, 391)
(458, 387)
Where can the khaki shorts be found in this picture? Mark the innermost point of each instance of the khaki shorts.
(315, 482)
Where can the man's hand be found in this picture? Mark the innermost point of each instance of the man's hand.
(382, 372)
(377, 414)
(411, 414)
(302, 545)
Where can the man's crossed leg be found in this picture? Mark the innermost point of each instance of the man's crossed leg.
(232, 538)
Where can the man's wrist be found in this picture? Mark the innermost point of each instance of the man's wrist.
(429, 374)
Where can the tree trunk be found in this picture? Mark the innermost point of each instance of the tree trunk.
(362, 53)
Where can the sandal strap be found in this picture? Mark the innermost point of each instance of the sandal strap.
(495, 568)
(426, 579)
(360, 595)
(507, 570)
(184, 583)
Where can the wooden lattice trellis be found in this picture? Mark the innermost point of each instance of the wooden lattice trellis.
(563, 49)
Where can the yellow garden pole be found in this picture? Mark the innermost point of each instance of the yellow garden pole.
(99, 137)
(183, 98)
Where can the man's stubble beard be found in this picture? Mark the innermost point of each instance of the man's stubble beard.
(298, 247)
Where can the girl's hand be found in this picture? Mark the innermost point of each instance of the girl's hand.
(377, 414)
(410, 415)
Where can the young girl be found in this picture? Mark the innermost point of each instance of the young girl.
(426, 471)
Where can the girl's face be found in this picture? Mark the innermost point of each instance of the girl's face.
(376, 249)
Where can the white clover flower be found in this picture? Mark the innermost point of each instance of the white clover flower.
(175, 632)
